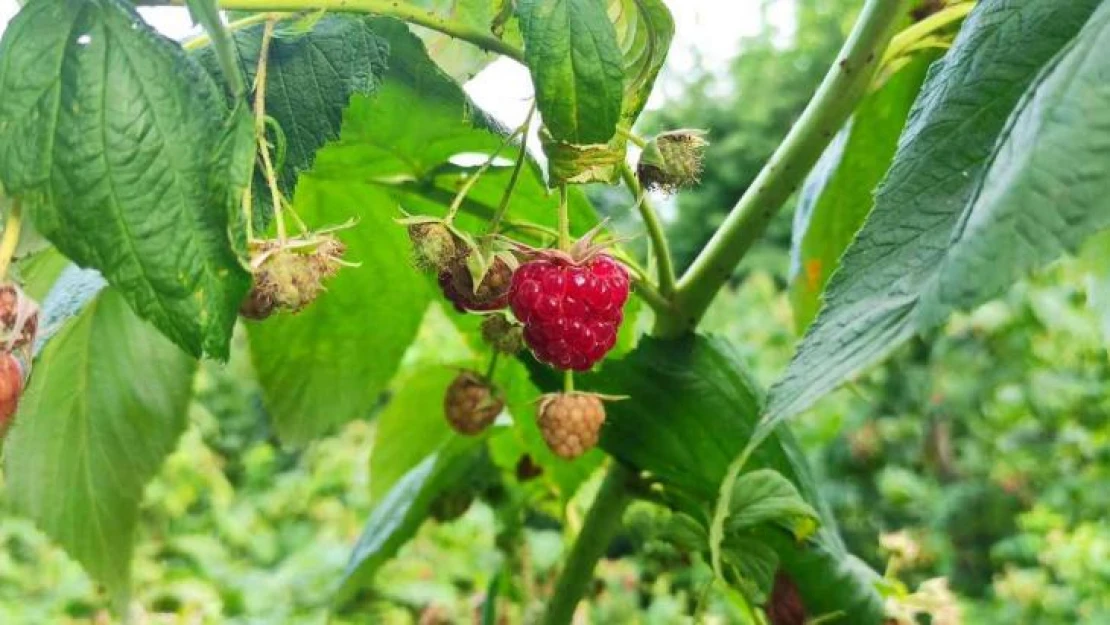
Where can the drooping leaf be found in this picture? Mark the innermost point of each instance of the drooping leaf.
(644, 31)
(690, 410)
(886, 287)
(110, 133)
(401, 511)
(839, 192)
(328, 364)
(571, 50)
(310, 80)
(106, 403)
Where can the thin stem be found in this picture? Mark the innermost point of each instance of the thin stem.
(204, 39)
(456, 203)
(564, 219)
(652, 297)
(225, 54)
(492, 365)
(260, 129)
(904, 41)
(518, 166)
(568, 381)
(844, 86)
(10, 239)
(602, 522)
(632, 137)
(405, 11)
(659, 245)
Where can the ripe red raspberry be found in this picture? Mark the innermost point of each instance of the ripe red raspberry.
(570, 422)
(491, 294)
(11, 388)
(571, 311)
(471, 404)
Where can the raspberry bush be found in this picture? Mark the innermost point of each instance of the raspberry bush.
(312, 174)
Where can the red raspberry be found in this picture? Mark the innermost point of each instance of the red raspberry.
(11, 387)
(571, 311)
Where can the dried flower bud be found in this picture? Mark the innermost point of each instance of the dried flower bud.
(433, 246)
(672, 160)
(289, 277)
(503, 335)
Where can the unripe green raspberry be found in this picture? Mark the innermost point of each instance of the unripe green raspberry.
(502, 335)
(672, 160)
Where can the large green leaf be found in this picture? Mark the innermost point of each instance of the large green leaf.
(838, 194)
(571, 49)
(690, 410)
(106, 403)
(328, 364)
(112, 136)
(310, 80)
(909, 264)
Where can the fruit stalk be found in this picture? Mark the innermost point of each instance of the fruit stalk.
(602, 522)
(845, 84)
(10, 239)
(260, 128)
(659, 246)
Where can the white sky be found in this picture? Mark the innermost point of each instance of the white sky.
(704, 29)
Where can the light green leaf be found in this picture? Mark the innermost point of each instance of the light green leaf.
(924, 231)
(570, 47)
(328, 364)
(1096, 259)
(839, 192)
(106, 403)
(765, 496)
(461, 59)
(644, 31)
(109, 133)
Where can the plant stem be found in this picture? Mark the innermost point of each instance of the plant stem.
(473, 179)
(843, 87)
(492, 366)
(405, 11)
(564, 219)
(225, 54)
(260, 129)
(602, 522)
(204, 39)
(10, 240)
(904, 41)
(659, 245)
(521, 156)
(568, 381)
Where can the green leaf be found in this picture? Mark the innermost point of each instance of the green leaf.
(401, 511)
(310, 80)
(38, 273)
(570, 47)
(838, 194)
(644, 30)
(109, 133)
(690, 409)
(328, 364)
(1096, 259)
(461, 59)
(751, 565)
(927, 228)
(410, 428)
(765, 496)
(106, 403)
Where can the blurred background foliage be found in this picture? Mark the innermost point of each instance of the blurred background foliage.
(980, 453)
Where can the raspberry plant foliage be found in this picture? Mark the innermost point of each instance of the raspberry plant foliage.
(162, 174)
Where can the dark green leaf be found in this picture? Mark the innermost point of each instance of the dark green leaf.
(925, 217)
(838, 194)
(691, 409)
(106, 402)
(109, 134)
(310, 80)
(571, 49)
(765, 496)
